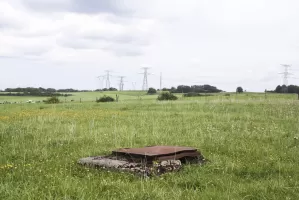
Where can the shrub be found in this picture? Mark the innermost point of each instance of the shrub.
(167, 96)
(105, 99)
(151, 91)
(195, 94)
(52, 100)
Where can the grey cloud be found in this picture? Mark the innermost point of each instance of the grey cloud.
(125, 44)
(15, 57)
(27, 53)
(124, 51)
(35, 51)
(121, 39)
(47, 5)
(117, 49)
(76, 43)
(136, 40)
(4, 25)
(7, 57)
(9, 24)
(80, 6)
(98, 6)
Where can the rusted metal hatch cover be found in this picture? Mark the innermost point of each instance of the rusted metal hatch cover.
(159, 153)
(141, 160)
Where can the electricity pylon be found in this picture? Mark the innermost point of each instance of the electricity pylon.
(145, 78)
(286, 74)
(121, 83)
(101, 82)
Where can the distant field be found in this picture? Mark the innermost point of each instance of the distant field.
(140, 95)
(251, 141)
(84, 96)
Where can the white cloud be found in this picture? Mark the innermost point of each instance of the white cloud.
(227, 42)
(24, 34)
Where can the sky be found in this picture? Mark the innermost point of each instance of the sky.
(225, 43)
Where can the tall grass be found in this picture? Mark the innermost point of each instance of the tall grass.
(251, 144)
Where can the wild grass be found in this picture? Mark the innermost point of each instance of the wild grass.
(251, 143)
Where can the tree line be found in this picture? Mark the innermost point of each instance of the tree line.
(31, 91)
(106, 89)
(42, 90)
(193, 88)
(292, 89)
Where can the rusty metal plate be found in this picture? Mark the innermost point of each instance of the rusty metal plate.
(155, 150)
(159, 152)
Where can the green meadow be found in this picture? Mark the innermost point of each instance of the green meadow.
(250, 139)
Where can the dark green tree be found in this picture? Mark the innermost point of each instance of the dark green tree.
(239, 90)
(151, 91)
(278, 89)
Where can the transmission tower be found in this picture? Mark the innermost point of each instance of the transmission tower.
(121, 83)
(145, 81)
(107, 79)
(286, 74)
(160, 81)
(101, 81)
(107, 76)
(133, 84)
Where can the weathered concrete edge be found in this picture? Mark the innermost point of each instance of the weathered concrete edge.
(103, 162)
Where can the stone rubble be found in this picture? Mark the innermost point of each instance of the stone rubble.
(143, 169)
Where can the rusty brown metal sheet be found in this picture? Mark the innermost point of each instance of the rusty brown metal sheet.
(178, 156)
(159, 152)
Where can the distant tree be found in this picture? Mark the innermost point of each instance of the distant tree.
(293, 89)
(204, 89)
(278, 89)
(239, 90)
(165, 89)
(173, 90)
(151, 91)
(112, 89)
(51, 90)
(284, 89)
(183, 89)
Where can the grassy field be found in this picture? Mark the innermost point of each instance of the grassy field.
(251, 141)
(83, 96)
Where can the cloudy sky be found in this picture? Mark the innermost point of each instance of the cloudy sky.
(226, 43)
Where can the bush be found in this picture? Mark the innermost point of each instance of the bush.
(105, 99)
(195, 94)
(167, 96)
(52, 100)
(151, 91)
